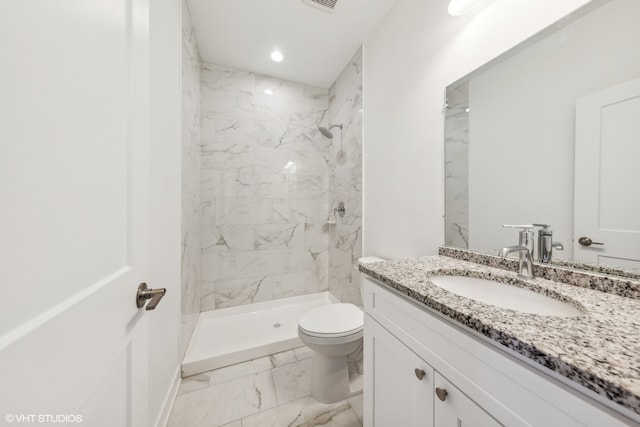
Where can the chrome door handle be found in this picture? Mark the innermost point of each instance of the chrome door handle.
(144, 293)
(585, 241)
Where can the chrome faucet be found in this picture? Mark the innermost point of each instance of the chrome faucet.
(525, 263)
(546, 245)
(524, 248)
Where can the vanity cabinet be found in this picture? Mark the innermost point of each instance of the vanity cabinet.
(409, 392)
(403, 382)
(485, 385)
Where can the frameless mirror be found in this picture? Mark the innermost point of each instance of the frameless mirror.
(549, 132)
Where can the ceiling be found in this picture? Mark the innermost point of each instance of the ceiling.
(316, 44)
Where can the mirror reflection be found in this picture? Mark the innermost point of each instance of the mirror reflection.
(549, 133)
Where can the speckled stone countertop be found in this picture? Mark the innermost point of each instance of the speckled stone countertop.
(599, 350)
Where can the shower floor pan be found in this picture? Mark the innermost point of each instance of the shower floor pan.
(236, 334)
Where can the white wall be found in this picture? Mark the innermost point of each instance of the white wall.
(165, 195)
(414, 54)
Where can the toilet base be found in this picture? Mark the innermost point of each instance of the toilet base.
(329, 378)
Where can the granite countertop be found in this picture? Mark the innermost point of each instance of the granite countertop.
(599, 350)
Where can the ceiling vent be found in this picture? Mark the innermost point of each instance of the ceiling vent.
(326, 5)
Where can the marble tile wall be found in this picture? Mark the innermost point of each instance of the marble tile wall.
(456, 171)
(264, 188)
(345, 181)
(191, 180)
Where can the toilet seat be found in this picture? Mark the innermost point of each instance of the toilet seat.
(332, 321)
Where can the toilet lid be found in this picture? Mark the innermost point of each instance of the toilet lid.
(332, 319)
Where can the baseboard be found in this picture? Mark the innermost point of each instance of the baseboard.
(167, 404)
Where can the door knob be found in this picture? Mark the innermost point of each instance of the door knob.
(585, 241)
(144, 293)
(419, 373)
(441, 393)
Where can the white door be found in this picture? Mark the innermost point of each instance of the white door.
(398, 383)
(607, 176)
(73, 189)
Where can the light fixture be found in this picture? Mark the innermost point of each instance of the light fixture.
(277, 56)
(268, 91)
(460, 7)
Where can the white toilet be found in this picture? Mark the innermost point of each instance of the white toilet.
(333, 332)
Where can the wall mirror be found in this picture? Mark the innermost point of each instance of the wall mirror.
(549, 132)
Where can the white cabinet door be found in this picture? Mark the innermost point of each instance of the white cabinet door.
(74, 150)
(399, 383)
(457, 410)
(607, 207)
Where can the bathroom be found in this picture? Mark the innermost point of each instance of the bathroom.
(147, 211)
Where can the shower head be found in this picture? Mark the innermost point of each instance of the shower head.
(327, 132)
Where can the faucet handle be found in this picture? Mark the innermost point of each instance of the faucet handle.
(525, 235)
(545, 229)
(524, 227)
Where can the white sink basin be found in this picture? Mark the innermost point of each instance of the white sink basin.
(506, 296)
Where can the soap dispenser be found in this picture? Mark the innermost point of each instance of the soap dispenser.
(546, 243)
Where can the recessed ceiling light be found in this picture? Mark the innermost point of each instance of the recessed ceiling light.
(276, 55)
(268, 91)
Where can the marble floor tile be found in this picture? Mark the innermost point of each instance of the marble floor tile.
(222, 403)
(336, 416)
(268, 391)
(240, 370)
(303, 352)
(305, 412)
(194, 382)
(283, 358)
(357, 403)
(292, 381)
